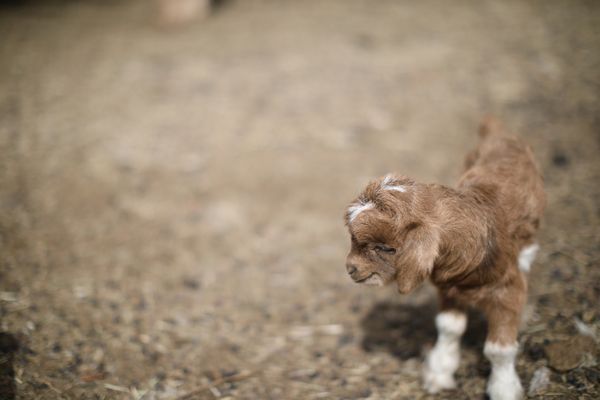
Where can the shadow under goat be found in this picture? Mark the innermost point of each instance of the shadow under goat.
(475, 243)
(9, 346)
(405, 329)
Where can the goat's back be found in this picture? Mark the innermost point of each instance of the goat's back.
(506, 163)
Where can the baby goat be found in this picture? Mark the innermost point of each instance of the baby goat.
(474, 243)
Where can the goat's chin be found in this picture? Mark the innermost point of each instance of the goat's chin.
(407, 286)
(404, 290)
(376, 279)
(373, 280)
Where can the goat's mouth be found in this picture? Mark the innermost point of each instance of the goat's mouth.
(364, 279)
(373, 279)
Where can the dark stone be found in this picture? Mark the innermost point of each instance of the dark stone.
(535, 352)
(375, 381)
(38, 385)
(560, 159)
(225, 373)
(575, 378)
(345, 339)
(592, 375)
(557, 274)
(192, 284)
(544, 300)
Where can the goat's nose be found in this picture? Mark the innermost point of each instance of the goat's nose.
(351, 268)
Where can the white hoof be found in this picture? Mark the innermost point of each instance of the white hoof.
(505, 389)
(442, 361)
(504, 383)
(435, 382)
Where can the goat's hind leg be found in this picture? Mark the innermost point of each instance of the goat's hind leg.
(501, 348)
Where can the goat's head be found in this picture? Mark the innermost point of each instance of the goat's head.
(393, 234)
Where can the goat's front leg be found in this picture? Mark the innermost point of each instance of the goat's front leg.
(501, 349)
(443, 359)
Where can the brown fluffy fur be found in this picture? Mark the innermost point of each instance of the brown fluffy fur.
(465, 240)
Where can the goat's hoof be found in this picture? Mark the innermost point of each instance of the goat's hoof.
(436, 382)
(506, 389)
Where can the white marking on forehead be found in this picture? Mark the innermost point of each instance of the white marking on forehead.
(398, 188)
(356, 209)
(385, 184)
(387, 180)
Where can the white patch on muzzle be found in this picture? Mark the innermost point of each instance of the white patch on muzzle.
(374, 280)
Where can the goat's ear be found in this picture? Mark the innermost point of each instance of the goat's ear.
(421, 248)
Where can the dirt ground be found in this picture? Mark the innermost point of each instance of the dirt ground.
(172, 200)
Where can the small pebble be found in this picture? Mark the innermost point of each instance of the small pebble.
(568, 354)
(539, 381)
(191, 284)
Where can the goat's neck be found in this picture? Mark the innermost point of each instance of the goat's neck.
(468, 246)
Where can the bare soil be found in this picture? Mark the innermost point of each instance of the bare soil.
(172, 200)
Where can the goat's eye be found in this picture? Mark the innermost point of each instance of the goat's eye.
(385, 249)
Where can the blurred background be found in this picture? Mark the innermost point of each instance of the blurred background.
(173, 179)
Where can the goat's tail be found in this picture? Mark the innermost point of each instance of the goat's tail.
(490, 126)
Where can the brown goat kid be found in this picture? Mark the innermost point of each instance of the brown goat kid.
(474, 243)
